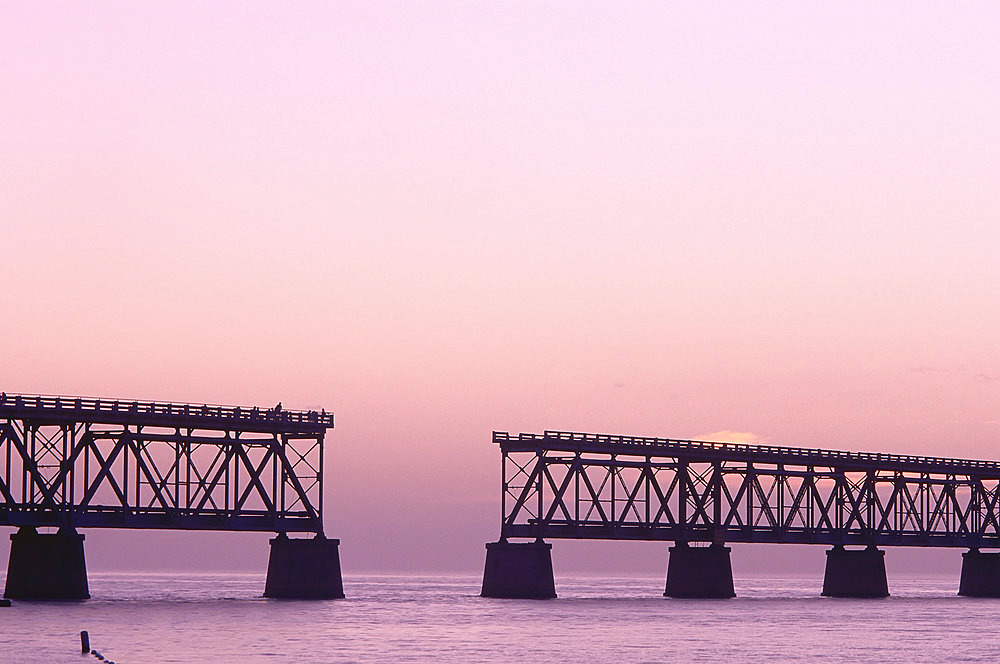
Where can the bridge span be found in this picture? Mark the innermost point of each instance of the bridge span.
(560, 484)
(68, 463)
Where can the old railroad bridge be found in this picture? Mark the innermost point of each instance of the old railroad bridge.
(69, 463)
(561, 484)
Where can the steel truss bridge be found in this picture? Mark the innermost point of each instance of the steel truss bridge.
(73, 462)
(593, 486)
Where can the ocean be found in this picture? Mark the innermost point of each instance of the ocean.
(137, 618)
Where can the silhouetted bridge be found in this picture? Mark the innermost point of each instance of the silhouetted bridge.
(593, 486)
(74, 462)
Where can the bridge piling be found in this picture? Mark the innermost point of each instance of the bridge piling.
(699, 572)
(858, 573)
(980, 574)
(519, 570)
(304, 569)
(48, 566)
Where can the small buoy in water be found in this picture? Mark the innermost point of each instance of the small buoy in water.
(84, 642)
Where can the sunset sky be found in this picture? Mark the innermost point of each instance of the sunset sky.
(775, 220)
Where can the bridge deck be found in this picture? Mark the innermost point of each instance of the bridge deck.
(712, 451)
(161, 413)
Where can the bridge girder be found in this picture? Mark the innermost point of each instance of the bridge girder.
(587, 486)
(73, 463)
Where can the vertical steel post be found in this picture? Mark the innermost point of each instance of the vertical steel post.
(717, 496)
(780, 479)
(613, 478)
(126, 435)
(870, 512)
(682, 499)
(540, 461)
(321, 439)
(503, 493)
(647, 479)
(578, 460)
(275, 457)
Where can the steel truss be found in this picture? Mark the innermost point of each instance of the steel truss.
(83, 463)
(590, 486)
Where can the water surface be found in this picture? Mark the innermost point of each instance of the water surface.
(137, 618)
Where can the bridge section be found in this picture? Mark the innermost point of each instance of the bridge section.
(561, 484)
(73, 462)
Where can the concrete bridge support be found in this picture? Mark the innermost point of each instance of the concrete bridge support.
(304, 569)
(519, 571)
(699, 572)
(980, 574)
(46, 566)
(855, 573)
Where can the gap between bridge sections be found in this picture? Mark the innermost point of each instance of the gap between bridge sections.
(69, 463)
(572, 485)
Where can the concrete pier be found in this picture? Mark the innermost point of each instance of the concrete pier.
(699, 572)
(519, 571)
(304, 569)
(980, 574)
(46, 566)
(855, 573)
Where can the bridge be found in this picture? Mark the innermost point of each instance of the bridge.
(68, 463)
(560, 484)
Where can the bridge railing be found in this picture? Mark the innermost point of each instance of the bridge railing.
(664, 444)
(77, 405)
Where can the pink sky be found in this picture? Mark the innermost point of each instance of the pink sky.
(436, 220)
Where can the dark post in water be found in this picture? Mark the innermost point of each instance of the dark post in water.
(46, 566)
(699, 572)
(519, 571)
(855, 573)
(304, 569)
(980, 574)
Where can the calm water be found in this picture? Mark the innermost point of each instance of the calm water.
(222, 618)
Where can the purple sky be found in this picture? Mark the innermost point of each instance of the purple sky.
(437, 219)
